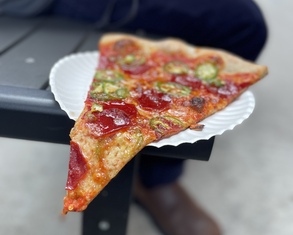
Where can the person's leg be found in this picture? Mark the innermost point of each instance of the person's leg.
(155, 171)
(236, 26)
(157, 190)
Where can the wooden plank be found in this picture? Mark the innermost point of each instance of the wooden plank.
(28, 63)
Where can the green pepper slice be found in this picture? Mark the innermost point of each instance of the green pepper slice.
(173, 88)
(163, 125)
(96, 107)
(132, 60)
(176, 67)
(108, 91)
(108, 75)
(208, 72)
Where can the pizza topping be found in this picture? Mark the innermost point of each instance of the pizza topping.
(109, 88)
(208, 73)
(114, 116)
(129, 109)
(173, 88)
(135, 69)
(77, 166)
(176, 67)
(105, 91)
(125, 46)
(197, 103)
(152, 99)
(128, 56)
(131, 59)
(96, 107)
(226, 90)
(187, 80)
(133, 64)
(165, 125)
(108, 121)
(213, 59)
(108, 75)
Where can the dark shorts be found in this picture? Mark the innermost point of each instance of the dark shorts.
(236, 26)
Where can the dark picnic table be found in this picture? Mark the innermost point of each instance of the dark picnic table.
(28, 50)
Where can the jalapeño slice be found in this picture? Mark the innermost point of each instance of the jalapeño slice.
(176, 67)
(173, 88)
(164, 125)
(108, 75)
(208, 72)
(132, 60)
(133, 64)
(96, 107)
(105, 91)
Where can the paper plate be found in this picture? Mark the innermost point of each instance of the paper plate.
(70, 80)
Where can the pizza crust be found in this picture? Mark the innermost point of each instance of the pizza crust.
(107, 155)
(233, 63)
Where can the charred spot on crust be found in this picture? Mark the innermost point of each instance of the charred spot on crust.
(196, 127)
(197, 103)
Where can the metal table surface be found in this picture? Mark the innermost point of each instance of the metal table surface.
(28, 50)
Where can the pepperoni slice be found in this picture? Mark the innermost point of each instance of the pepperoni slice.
(128, 109)
(187, 80)
(135, 69)
(133, 64)
(125, 46)
(77, 166)
(229, 89)
(114, 116)
(151, 99)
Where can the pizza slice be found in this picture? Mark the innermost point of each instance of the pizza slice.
(144, 91)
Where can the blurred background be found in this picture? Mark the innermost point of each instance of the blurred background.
(247, 185)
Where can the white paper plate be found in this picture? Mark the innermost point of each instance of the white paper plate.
(70, 80)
